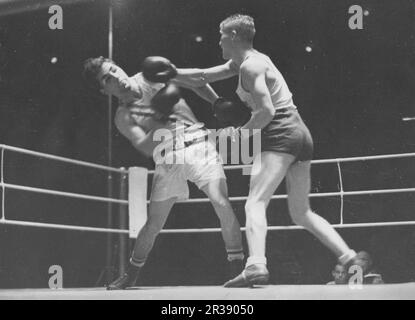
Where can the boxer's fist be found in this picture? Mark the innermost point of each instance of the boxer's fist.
(164, 100)
(230, 113)
(158, 69)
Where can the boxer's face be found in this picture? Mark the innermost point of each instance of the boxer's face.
(339, 274)
(226, 42)
(113, 80)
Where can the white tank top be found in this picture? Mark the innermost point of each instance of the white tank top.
(281, 95)
(181, 111)
(183, 125)
(148, 89)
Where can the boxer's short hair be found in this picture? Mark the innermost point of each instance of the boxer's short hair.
(243, 25)
(92, 66)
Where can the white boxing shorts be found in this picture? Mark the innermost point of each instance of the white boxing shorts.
(202, 164)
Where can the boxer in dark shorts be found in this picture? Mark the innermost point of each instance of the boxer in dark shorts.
(286, 149)
(287, 133)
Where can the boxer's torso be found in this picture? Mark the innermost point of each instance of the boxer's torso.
(281, 96)
(139, 113)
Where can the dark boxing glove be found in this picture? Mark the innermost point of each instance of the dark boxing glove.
(158, 69)
(164, 101)
(230, 113)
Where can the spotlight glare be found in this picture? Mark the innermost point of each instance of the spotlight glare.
(198, 39)
(53, 60)
(308, 49)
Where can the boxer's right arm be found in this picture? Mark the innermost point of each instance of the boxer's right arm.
(205, 92)
(138, 137)
(199, 77)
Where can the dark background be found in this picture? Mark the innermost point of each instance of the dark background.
(352, 90)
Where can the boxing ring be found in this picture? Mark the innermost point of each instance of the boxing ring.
(270, 292)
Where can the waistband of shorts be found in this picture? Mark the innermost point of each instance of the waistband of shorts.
(194, 141)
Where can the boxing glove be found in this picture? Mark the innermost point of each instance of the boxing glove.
(158, 69)
(230, 113)
(164, 101)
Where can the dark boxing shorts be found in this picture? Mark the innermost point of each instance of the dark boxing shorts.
(287, 133)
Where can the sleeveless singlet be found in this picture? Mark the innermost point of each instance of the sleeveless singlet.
(286, 132)
(182, 122)
(281, 95)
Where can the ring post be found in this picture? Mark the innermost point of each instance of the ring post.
(124, 238)
(3, 189)
(137, 199)
(109, 261)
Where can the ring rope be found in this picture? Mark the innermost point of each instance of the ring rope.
(312, 195)
(195, 230)
(62, 159)
(334, 160)
(61, 226)
(62, 193)
(279, 228)
(341, 192)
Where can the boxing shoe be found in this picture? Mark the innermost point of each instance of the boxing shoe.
(235, 267)
(363, 260)
(128, 279)
(255, 274)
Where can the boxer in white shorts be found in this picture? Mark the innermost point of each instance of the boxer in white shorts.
(136, 120)
(201, 165)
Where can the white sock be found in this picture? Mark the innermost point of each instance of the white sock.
(256, 260)
(345, 258)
